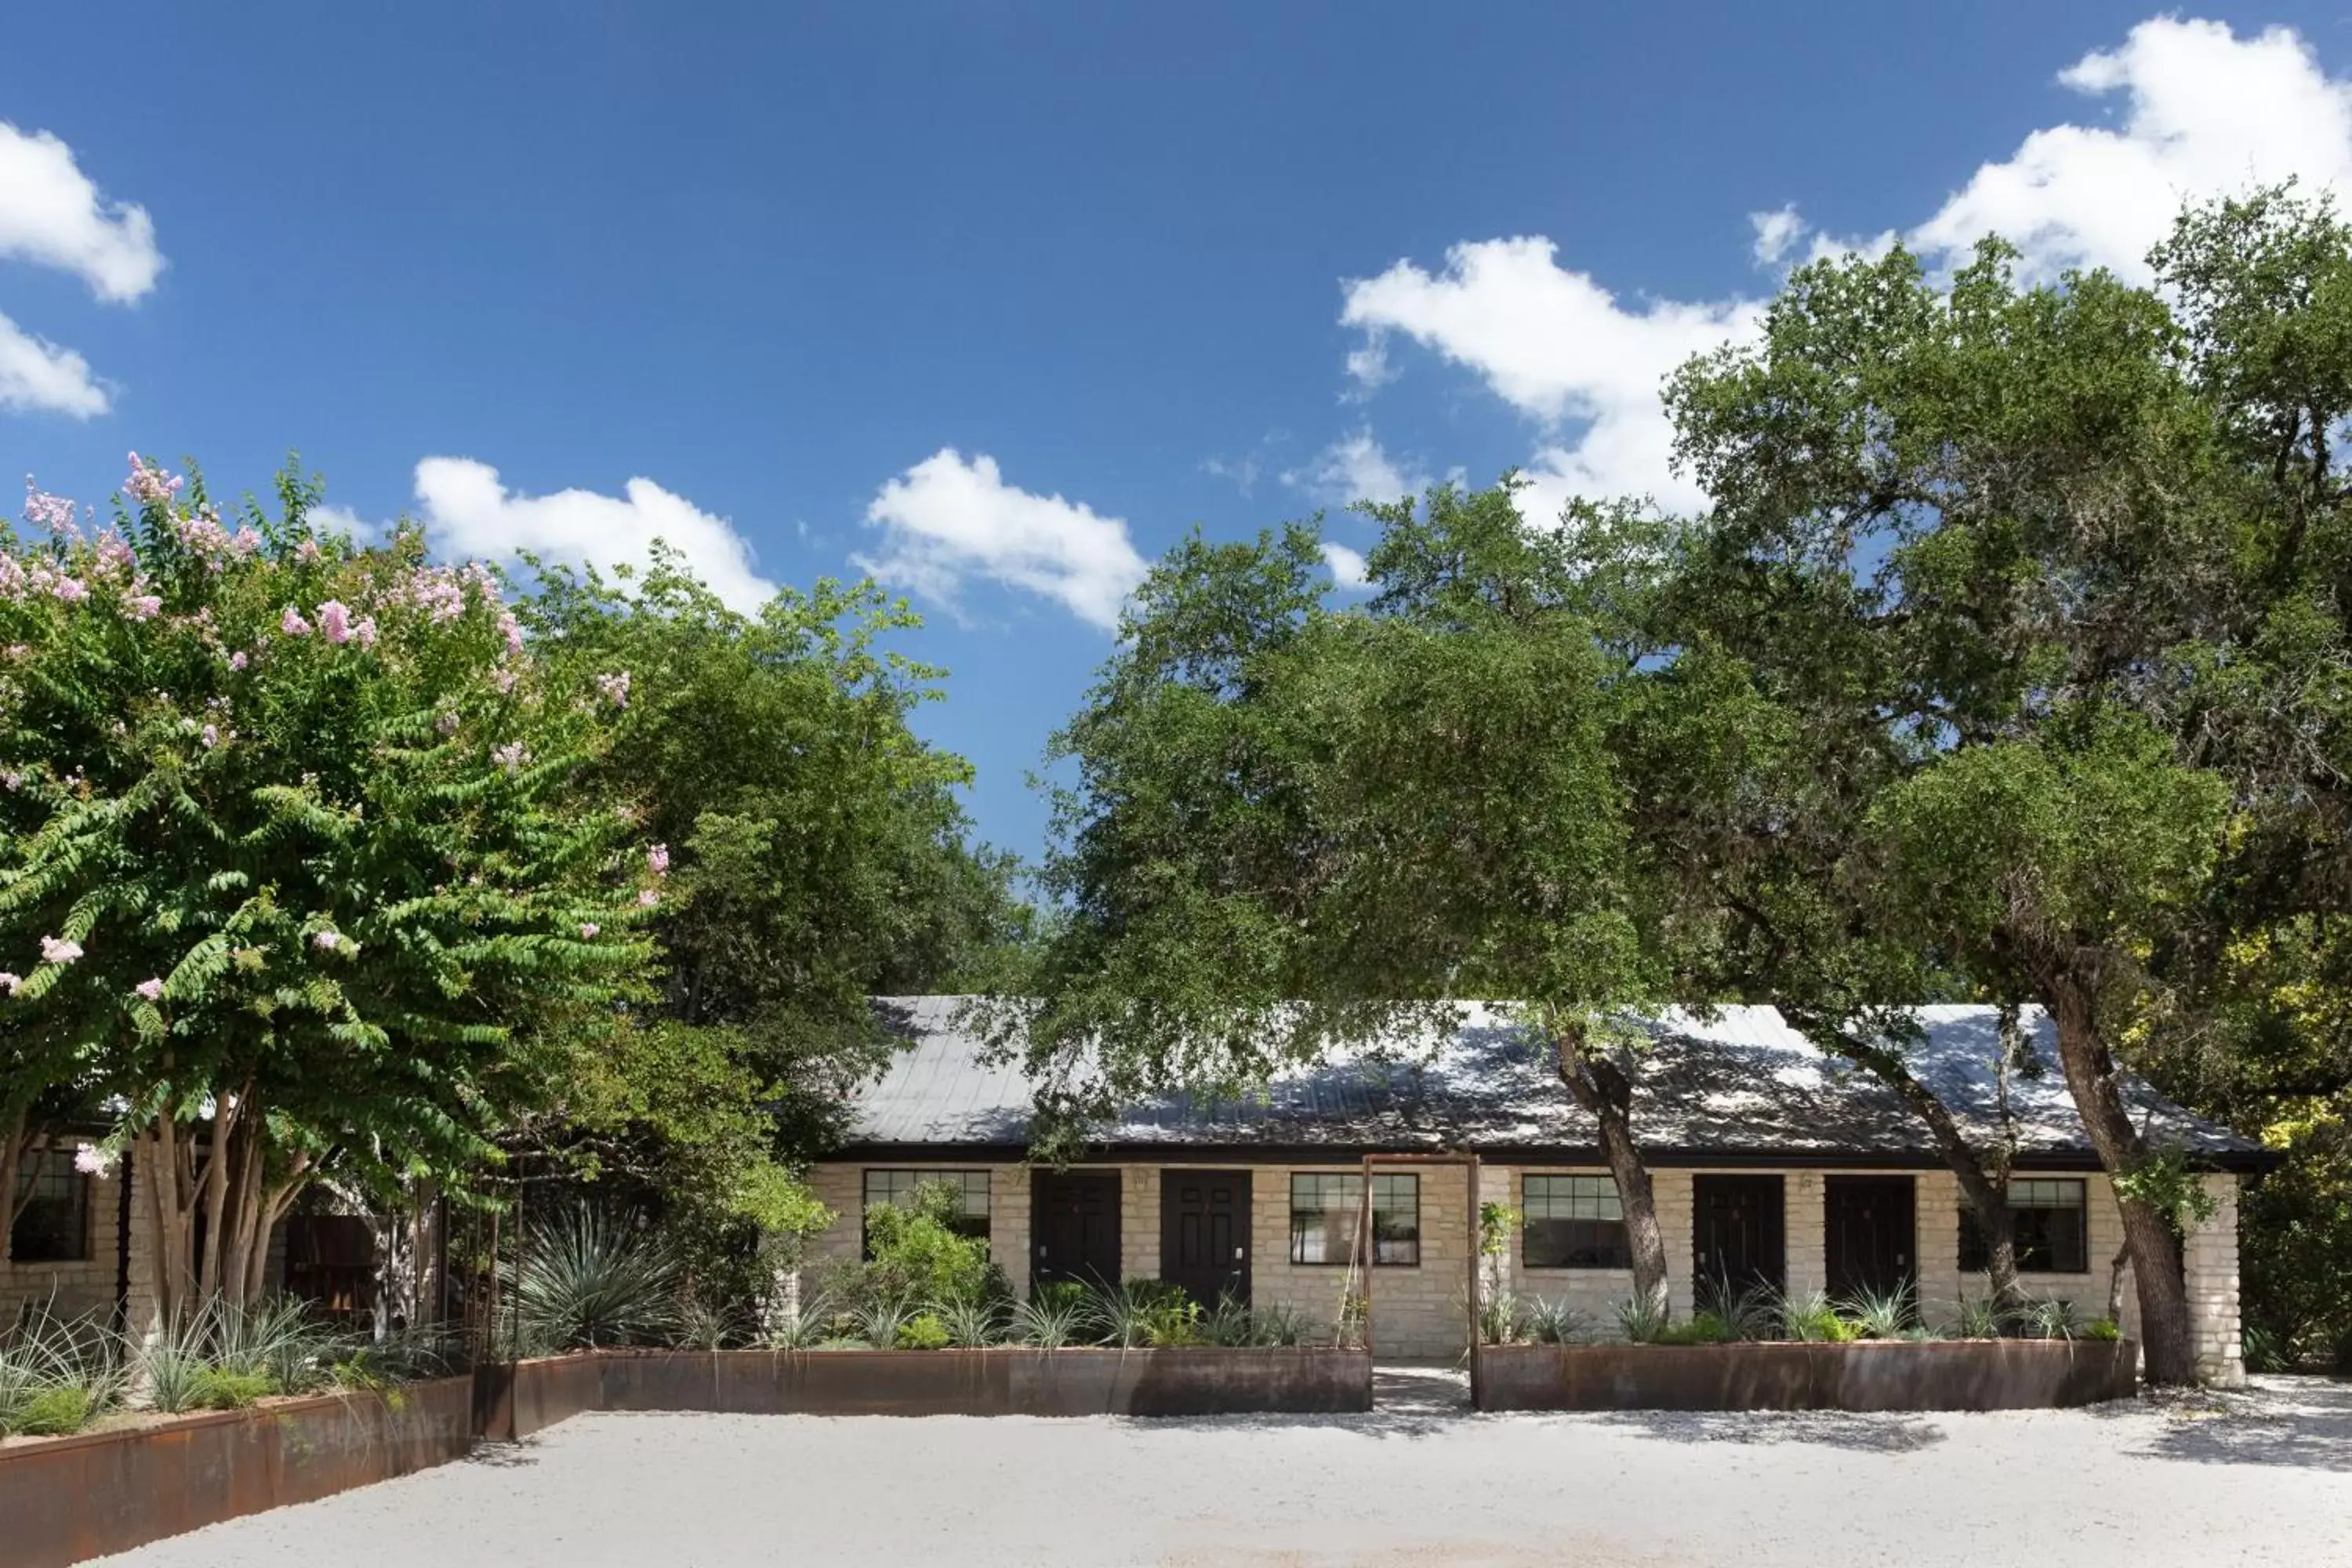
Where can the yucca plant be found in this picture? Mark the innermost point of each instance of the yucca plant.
(279, 1342)
(808, 1325)
(587, 1279)
(1642, 1319)
(1502, 1317)
(1814, 1319)
(971, 1325)
(1979, 1319)
(2051, 1318)
(1879, 1314)
(1052, 1321)
(881, 1321)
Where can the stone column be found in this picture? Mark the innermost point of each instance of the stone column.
(2210, 1261)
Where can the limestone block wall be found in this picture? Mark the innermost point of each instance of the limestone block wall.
(86, 1287)
(2209, 1260)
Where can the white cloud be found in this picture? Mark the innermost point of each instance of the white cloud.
(1356, 468)
(1776, 233)
(1243, 471)
(1559, 348)
(52, 215)
(947, 519)
(1348, 568)
(2205, 113)
(37, 374)
(468, 512)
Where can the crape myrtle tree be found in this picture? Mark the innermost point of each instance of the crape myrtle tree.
(818, 855)
(1297, 829)
(294, 876)
(1969, 529)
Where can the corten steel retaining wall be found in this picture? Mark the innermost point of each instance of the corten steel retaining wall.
(1895, 1374)
(71, 1499)
(1002, 1382)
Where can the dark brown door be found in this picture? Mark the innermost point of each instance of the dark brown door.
(1204, 1226)
(1736, 1241)
(1074, 1226)
(1870, 1236)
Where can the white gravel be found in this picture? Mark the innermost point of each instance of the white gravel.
(2263, 1478)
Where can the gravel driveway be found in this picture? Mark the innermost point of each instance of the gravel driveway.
(2261, 1477)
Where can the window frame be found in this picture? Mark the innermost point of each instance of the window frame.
(977, 1226)
(52, 1164)
(1974, 1257)
(1601, 1186)
(1403, 1249)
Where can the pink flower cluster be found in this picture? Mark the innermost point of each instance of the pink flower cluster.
(43, 510)
(510, 756)
(143, 607)
(615, 689)
(56, 950)
(327, 940)
(92, 1161)
(150, 989)
(147, 485)
(293, 623)
(657, 859)
(8, 982)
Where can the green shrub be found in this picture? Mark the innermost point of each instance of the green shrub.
(923, 1331)
(914, 1252)
(1641, 1320)
(1814, 1321)
(1880, 1315)
(1556, 1322)
(219, 1388)
(1051, 1319)
(2054, 1318)
(1979, 1319)
(55, 1412)
(1704, 1327)
(2102, 1328)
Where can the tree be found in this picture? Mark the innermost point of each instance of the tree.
(286, 852)
(1299, 828)
(1972, 527)
(820, 856)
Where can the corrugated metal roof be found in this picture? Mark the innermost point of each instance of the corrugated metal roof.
(1740, 1082)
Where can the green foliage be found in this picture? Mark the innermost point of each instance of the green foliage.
(1556, 1323)
(1880, 1314)
(1979, 1319)
(301, 811)
(916, 1254)
(1496, 1222)
(820, 857)
(1815, 1318)
(924, 1332)
(2054, 1318)
(56, 1377)
(2165, 1181)
(222, 1388)
(1052, 1320)
(972, 1324)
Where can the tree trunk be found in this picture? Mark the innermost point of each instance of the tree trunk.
(223, 1177)
(2091, 1073)
(17, 1139)
(1602, 1089)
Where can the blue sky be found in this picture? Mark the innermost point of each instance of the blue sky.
(998, 300)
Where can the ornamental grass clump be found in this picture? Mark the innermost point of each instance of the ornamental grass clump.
(56, 1377)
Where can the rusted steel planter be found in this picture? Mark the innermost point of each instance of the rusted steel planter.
(514, 1399)
(1000, 1382)
(69, 1499)
(1893, 1374)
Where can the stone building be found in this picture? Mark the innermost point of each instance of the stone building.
(1773, 1165)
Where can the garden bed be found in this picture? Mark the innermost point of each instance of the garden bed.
(1890, 1374)
(64, 1500)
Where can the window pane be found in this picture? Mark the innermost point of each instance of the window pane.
(54, 1226)
(1573, 1222)
(1323, 1214)
(899, 1186)
(2047, 1219)
(1396, 1221)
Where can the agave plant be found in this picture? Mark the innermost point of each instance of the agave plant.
(1502, 1317)
(1814, 1319)
(1556, 1322)
(587, 1279)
